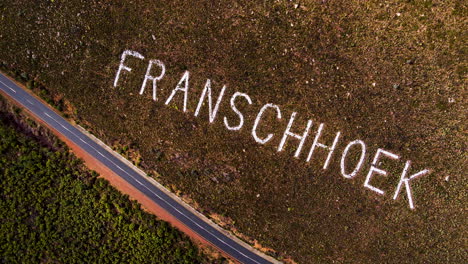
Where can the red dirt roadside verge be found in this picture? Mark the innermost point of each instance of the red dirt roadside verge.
(118, 182)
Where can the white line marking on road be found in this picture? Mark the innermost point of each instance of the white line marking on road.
(8, 87)
(29, 101)
(157, 195)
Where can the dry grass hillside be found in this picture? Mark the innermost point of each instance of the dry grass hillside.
(389, 73)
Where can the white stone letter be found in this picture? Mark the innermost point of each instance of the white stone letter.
(122, 66)
(234, 108)
(373, 169)
(148, 76)
(406, 180)
(288, 132)
(361, 159)
(211, 112)
(320, 145)
(184, 79)
(257, 120)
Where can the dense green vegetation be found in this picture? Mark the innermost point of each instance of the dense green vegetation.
(53, 210)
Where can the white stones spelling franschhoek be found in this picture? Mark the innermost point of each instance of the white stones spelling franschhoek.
(345, 169)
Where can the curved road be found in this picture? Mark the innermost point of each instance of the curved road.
(217, 238)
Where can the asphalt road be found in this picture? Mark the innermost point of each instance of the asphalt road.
(217, 238)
